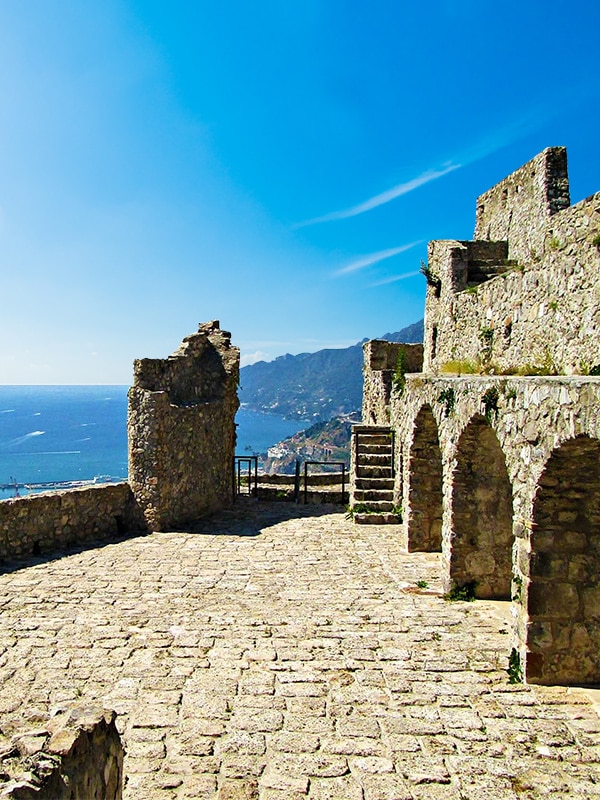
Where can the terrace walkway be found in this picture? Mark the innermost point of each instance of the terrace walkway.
(283, 652)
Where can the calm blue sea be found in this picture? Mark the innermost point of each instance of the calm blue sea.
(72, 433)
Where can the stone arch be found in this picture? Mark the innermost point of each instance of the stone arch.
(482, 514)
(425, 485)
(563, 595)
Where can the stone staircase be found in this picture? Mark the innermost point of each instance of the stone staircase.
(373, 484)
(483, 269)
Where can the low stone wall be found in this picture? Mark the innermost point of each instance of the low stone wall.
(75, 755)
(50, 521)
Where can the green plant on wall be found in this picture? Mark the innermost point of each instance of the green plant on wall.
(554, 243)
(486, 341)
(448, 398)
(432, 280)
(490, 403)
(515, 671)
(399, 379)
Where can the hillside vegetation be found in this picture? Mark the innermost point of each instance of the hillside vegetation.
(315, 386)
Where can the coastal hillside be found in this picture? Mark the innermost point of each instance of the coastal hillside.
(315, 386)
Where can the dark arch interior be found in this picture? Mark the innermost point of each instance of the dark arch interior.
(482, 514)
(563, 598)
(425, 488)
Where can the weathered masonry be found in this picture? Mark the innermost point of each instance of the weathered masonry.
(181, 429)
(497, 434)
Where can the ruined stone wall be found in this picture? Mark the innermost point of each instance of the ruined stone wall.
(74, 755)
(517, 210)
(379, 368)
(182, 431)
(50, 521)
(536, 308)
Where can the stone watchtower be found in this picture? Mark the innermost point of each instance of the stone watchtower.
(181, 429)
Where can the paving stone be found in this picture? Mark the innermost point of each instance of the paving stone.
(293, 663)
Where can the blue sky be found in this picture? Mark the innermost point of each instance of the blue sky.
(277, 165)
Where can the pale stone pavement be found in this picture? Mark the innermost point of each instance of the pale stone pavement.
(283, 652)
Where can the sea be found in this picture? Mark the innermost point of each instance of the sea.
(59, 436)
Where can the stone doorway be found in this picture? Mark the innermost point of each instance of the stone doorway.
(425, 485)
(563, 598)
(482, 514)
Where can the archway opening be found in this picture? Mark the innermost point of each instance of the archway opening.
(425, 485)
(482, 514)
(563, 597)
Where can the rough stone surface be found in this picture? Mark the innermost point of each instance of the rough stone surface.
(506, 467)
(531, 299)
(73, 754)
(283, 652)
(181, 429)
(41, 523)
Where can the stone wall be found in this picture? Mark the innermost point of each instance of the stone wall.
(502, 473)
(381, 365)
(517, 210)
(50, 521)
(527, 303)
(517, 495)
(182, 431)
(75, 755)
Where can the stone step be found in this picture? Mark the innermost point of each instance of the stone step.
(375, 459)
(373, 471)
(374, 447)
(374, 483)
(370, 496)
(378, 505)
(377, 519)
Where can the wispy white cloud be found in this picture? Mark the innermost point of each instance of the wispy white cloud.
(487, 144)
(396, 278)
(384, 197)
(374, 258)
(253, 358)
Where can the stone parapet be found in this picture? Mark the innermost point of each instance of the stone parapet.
(50, 521)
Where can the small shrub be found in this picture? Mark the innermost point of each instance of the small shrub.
(554, 243)
(511, 393)
(490, 403)
(517, 594)
(422, 584)
(461, 367)
(596, 240)
(515, 671)
(486, 339)
(448, 398)
(432, 280)
(464, 593)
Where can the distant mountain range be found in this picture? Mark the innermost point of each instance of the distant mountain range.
(316, 386)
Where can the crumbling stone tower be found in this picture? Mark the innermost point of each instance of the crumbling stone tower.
(181, 429)
(497, 438)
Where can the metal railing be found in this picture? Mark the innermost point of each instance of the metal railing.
(240, 462)
(321, 463)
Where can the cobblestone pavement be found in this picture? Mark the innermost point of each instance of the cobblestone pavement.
(283, 652)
